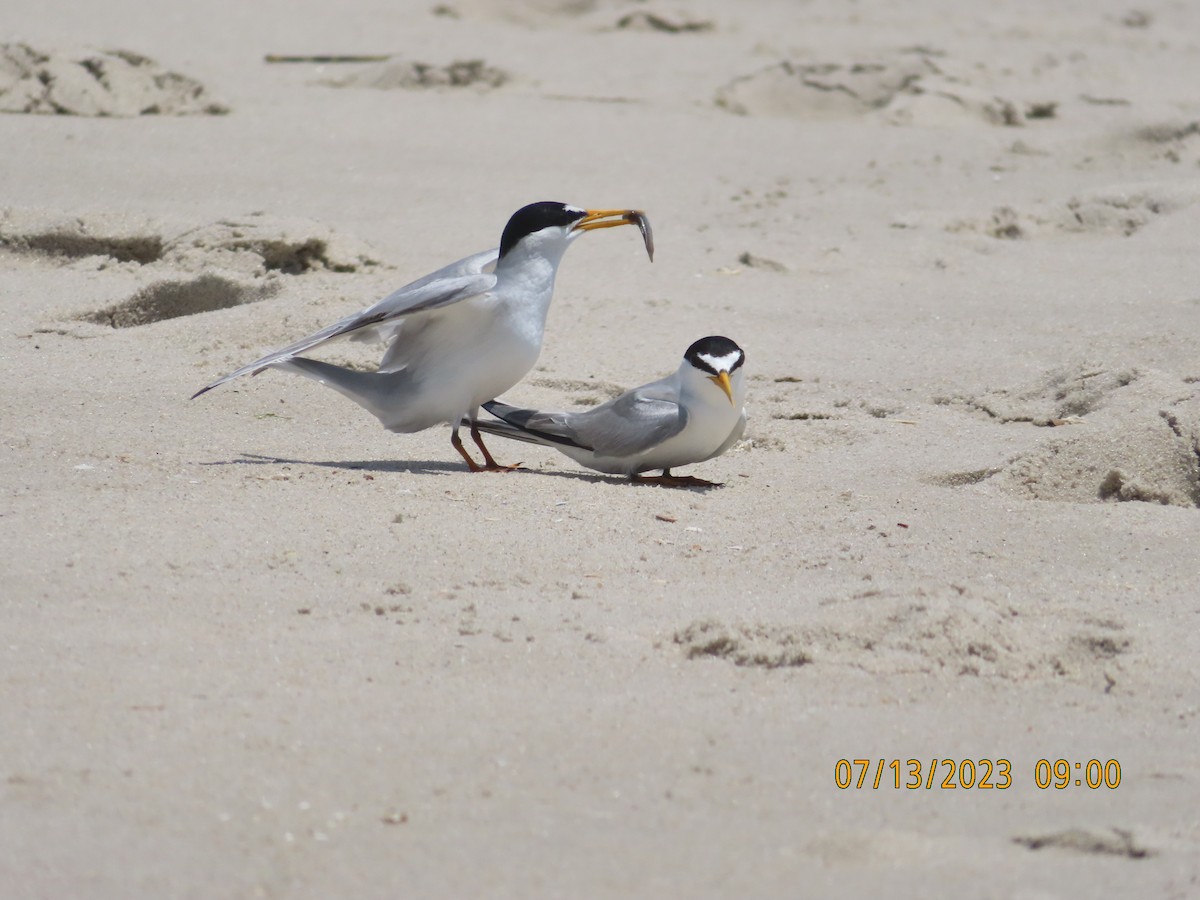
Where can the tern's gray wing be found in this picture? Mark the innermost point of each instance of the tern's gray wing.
(632, 423)
(468, 277)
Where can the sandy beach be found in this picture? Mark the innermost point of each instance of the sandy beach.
(254, 645)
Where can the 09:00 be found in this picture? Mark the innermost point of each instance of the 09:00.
(1057, 773)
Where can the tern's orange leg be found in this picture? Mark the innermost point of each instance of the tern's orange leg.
(490, 465)
(666, 479)
(457, 442)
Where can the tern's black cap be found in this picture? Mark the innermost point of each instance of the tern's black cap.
(709, 352)
(535, 217)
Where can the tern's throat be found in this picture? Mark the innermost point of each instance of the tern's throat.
(526, 279)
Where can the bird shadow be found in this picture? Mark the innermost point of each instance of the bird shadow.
(431, 467)
(616, 479)
(410, 466)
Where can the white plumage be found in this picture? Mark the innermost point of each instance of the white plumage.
(694, 414)
(459, 336)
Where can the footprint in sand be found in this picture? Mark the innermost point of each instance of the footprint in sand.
(259, 243)
(1117, 842)
(820, 90)
(646, 20)
(55, 236)
(215, 266)
(397, 73)
(172, 298)
(932, 630)
(96, 83)
(1176, 140)
(917, 87)
(1122, 209)
(254, 244)
(1128, 435)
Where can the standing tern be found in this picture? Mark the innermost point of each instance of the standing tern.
(459, 336)
(690, 416)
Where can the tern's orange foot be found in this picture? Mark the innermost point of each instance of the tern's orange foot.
(496, 467)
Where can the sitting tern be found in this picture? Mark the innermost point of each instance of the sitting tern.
(690, 416)
(459, 336)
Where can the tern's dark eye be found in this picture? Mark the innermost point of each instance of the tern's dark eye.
(533, 218)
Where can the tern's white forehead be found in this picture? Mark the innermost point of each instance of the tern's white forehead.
(721, 363)
(574, 209)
